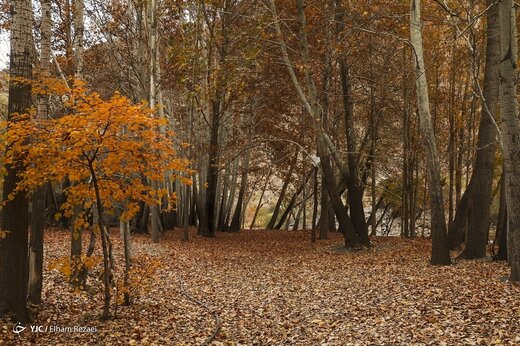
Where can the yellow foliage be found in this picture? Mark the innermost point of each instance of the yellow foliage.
(64, 264)
(114, 143)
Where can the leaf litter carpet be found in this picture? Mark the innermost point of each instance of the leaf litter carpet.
(277, 288)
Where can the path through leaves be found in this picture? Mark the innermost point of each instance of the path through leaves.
(277, 288)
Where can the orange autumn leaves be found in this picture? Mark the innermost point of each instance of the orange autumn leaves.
(128, 148)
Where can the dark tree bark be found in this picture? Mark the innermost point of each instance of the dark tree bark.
(501, 232)
(354, 184)
(324, 222)
(315, 205)
(38, 222)
(480, 199)
(15, 214)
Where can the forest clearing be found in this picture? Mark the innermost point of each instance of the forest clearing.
(278, 288)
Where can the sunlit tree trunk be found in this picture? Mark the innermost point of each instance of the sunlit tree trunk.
(38, 210)
(440, 250)
(155, 220)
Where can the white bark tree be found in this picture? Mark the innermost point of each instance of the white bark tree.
(440, 249)
(38, 218)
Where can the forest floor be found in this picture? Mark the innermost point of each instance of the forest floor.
(278, 288)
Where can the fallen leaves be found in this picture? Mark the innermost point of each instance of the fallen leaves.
(279, 288)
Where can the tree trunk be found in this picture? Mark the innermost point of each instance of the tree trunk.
(78, 271)
(440, 249)
(315, 205)
(324, 222)
(237, 216)
(155, 214)
(501, 232)
(124, 228)
(207, 228)
(105, 243)
(38, 211)
(354, 184)
(510, 128)
(13, 246)
(480, 199)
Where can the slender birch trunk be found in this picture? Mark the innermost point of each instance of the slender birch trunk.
(440, 249)
(38, 217)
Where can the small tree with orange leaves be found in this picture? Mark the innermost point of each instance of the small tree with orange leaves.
(104, 147)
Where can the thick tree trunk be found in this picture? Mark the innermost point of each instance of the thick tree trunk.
(13, 244)
(346, 227)
(510, 128)
(440, 249)
(480, 198)
(207, 228)
(324, 224)
(354, 184)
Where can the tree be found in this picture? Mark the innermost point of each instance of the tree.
(510, 128)
(310, 102)
(14, 223)
(440, 250)
(104, 148)
(481, 182)
(38, 210)
(78, 271)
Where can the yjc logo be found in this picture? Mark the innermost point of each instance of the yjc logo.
(18, 328)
